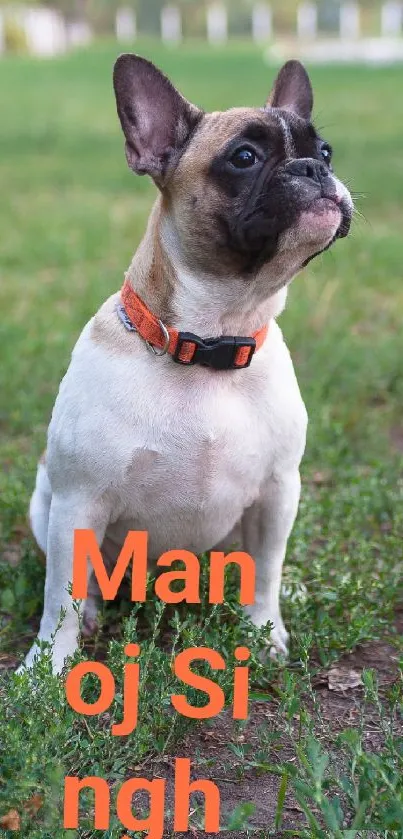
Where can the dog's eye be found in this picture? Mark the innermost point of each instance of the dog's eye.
(326, 152)
(244, 158)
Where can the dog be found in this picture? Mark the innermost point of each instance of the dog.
(180, 413)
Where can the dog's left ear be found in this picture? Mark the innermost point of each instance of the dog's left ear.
(292, 90)
(156, 120)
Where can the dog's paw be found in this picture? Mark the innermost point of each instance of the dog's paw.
(59, 648)
(278, 645)
(29, 660)
(90, 626)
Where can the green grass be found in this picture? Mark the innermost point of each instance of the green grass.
(71, 216)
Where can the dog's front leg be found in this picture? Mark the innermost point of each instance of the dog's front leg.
(266, 526)
(60, 620)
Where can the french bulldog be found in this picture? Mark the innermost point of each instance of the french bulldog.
(180, 413)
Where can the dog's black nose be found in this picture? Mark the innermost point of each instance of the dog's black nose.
(307, 167)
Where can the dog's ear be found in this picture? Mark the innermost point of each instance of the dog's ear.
(292, 90)
(156, 120)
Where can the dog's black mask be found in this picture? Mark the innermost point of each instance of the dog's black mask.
(292, 170)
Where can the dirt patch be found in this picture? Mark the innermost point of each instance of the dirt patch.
(240, 781)
(396, 437)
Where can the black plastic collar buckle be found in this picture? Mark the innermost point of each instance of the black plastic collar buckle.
(218, 353)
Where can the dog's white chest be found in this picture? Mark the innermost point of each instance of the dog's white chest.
(185, 451)
(197, 472)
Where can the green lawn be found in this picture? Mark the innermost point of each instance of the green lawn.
(71, 216)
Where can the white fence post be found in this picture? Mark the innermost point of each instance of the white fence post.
(391, 19)
(45, 31)
(126, 25)
(171, 25)
(349, 21)
(262, 22)
(307, 21)
(79, 34)
(217, 24)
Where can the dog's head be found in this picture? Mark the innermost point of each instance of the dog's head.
(242, 189)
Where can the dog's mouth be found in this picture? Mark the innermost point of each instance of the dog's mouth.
(299, 220)
(346, 217)
(329, 217)
(328, 213)
(323, 211)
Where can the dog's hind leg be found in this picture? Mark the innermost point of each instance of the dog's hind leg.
(110, 552)
(39, 510)
(72, 508)
(39, 507)
(266, 527)
(233, 541)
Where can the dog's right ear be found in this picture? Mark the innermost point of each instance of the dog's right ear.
(156, 120)
(293, 90)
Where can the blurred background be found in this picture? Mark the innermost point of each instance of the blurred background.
(71, 216)
(350, 28)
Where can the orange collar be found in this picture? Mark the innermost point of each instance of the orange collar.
(225, 353)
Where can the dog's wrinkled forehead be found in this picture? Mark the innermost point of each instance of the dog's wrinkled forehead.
(279, 133)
